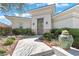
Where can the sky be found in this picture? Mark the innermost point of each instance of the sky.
(60, 7)
(15, 11)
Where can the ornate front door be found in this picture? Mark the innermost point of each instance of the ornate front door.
(40, 26)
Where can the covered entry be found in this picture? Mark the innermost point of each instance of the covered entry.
(41, 19)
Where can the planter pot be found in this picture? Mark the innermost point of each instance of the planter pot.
(66, 41)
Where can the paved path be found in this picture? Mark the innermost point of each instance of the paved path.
(27, 47)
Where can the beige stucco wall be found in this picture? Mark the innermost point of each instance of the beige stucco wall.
(76, 20)
(63, 21)
(66, 23)
(17, 21)
(76, 23)
(68, 18)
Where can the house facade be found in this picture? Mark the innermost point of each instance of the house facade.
(44, 19)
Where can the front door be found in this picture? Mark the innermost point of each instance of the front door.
(40, 26)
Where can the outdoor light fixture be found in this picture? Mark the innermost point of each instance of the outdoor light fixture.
(33, 23)
(46, 22)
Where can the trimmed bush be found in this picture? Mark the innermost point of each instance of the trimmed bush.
(28, 32)
(21, 31)
(74, 32)
(76, 43)
(17, 31)
(56, 32)
(53, 30)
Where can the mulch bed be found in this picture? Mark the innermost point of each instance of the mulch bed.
(52, 43)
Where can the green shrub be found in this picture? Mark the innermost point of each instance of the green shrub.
(9, 41)
(28, 32)
(52, 36)
(47, 36)
(5, 31)
(16, 31)
(57, 33)
(11, 37)
(53, 30)
(2, 32)
(76, 43)
(21, 31)
(74, 32)
(2, 52)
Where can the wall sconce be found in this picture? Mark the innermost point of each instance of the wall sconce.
(33, 23)
(46, 22)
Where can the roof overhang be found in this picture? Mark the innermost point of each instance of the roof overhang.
(43, 10)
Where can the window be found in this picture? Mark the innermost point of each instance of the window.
(20, 25)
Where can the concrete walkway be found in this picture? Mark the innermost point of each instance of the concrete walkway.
(27, 47)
